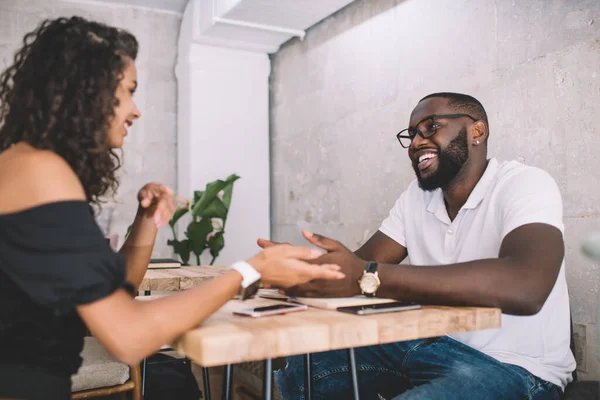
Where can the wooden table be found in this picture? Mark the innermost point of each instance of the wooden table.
(179, 278)
(226, 339)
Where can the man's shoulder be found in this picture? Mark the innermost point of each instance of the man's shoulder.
(516, 181)
(516, 173)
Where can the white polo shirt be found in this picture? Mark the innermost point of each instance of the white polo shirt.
(507, 196)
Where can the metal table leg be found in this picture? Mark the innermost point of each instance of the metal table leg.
(268, 380)
(308, 376)
(227, 382)
(144, 376)
(206, 380)
(353, 373)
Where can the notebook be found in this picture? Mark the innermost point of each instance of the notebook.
(157, 263)
(324, 303)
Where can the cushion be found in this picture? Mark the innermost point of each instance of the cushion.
(99, 369)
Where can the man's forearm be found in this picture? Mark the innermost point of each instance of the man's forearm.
(138, 247)
(490, 283)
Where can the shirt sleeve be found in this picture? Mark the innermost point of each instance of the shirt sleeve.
(530, 196)
(393, 225)
(58, 256)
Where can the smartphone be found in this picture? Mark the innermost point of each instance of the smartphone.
(380, 308)
(271, 310)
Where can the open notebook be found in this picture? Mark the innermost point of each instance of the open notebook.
(158, 263)
(325, 303)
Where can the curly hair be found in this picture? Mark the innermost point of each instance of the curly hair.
(59, 95)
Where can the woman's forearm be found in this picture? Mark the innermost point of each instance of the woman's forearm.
(140, 328)
(138, 247)
(133, 329)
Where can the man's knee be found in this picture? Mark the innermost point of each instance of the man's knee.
(293, 370)
(325, 368)
(289, 381)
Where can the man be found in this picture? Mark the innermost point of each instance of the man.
(479, 232)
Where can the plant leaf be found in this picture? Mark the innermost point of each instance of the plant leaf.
(211, 192)
(228, 190)
(176, 215)
(216, 244)
(182, 248)
(197, 232)
(216, 209)
(197, 195)
(128, 231)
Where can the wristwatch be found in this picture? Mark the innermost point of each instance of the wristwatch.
(369, 281)
(250, 279)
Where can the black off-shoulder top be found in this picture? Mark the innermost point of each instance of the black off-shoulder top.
(52, 258)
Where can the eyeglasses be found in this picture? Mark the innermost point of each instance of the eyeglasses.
(426, 128)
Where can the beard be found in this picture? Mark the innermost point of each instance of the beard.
(450, 162)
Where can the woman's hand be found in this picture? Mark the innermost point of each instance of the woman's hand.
(351, 265)
(284, 266)
(157, 202)
(265, 243)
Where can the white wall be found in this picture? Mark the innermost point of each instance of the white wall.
(223, 109)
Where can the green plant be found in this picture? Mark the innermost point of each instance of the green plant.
(209, 214)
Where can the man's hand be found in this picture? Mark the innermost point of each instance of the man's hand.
(157, 202)
(337, 254)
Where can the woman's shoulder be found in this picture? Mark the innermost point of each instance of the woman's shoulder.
(30, 178)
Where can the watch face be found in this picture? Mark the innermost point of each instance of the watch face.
(369, 283)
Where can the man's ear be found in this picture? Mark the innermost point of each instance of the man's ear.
(479, 132)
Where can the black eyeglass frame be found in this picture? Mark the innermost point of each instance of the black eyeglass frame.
(400, 135)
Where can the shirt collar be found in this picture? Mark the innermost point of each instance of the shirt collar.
(436, 201)
(486, 180)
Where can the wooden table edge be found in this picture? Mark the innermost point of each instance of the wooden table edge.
(492, 320)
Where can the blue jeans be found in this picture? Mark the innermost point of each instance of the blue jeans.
(438, 368)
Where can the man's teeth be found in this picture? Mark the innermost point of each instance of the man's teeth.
(426, 157)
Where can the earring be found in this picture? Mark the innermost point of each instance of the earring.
(477, 142)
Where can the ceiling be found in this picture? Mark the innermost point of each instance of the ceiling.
(293, 14)
(256, 25)
(177, 6)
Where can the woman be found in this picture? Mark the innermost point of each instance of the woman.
(65, 104)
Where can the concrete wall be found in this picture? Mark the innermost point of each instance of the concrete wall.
(150, 147)
(339, 97)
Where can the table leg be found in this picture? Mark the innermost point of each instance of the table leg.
(268, 380)
(308, 376)
(144, 376)
(353, 373)
(206, 380)
(227, 382)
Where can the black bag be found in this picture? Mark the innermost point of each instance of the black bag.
(169, 378)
